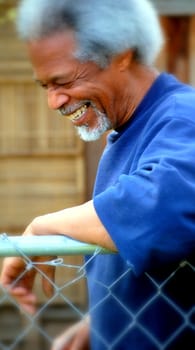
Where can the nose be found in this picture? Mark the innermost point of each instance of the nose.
(56, 99)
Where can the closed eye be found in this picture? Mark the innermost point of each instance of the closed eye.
(44, 86)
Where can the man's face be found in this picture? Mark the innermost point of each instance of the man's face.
(82, 92)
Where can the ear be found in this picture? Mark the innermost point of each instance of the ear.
(123, 60)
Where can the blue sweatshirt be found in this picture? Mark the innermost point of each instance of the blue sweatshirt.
(145, 197)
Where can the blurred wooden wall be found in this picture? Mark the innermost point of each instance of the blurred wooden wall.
(177, 56)
(42, 161)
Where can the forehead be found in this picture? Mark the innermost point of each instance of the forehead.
(52, 52)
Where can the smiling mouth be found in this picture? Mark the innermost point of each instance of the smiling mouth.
(75, 116)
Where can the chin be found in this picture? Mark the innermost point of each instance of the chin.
(89, 135)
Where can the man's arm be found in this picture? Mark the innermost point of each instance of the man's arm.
(80, 223)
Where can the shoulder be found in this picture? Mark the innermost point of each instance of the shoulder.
(179, 104)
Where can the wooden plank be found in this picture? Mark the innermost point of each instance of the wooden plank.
(175, 7)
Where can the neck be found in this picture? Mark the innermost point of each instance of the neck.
(138, 81)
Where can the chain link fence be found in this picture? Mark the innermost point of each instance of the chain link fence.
(21, 331)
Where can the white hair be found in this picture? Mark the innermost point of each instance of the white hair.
(103, 28)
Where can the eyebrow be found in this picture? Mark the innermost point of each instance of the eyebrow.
(52, 80)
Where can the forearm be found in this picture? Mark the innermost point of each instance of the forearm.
(79, 222)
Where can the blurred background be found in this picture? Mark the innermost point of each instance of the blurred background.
(44, 166)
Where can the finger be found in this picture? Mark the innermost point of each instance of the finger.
(81, 341)
(12, 267)
(48, 281)
(26, 300)
(23, 295)
(27, 303)
(14, 274)
(65, 340)
(18, 291)
(28, 308)
(75, 338)
(59, 344)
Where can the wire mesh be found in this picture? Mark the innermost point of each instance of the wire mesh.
(21, 331)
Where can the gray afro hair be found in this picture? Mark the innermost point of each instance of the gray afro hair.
(103, 28)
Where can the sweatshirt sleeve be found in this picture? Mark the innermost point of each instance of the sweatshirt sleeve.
(150, 212)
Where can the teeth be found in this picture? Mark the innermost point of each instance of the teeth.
(77, 114)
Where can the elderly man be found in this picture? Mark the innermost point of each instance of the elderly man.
(95, 60)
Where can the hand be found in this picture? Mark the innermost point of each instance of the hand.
(18, 279)
(75, 338)
(19, 283)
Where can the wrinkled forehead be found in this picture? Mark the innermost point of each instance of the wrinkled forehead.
(57, 44)
(52, 52)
